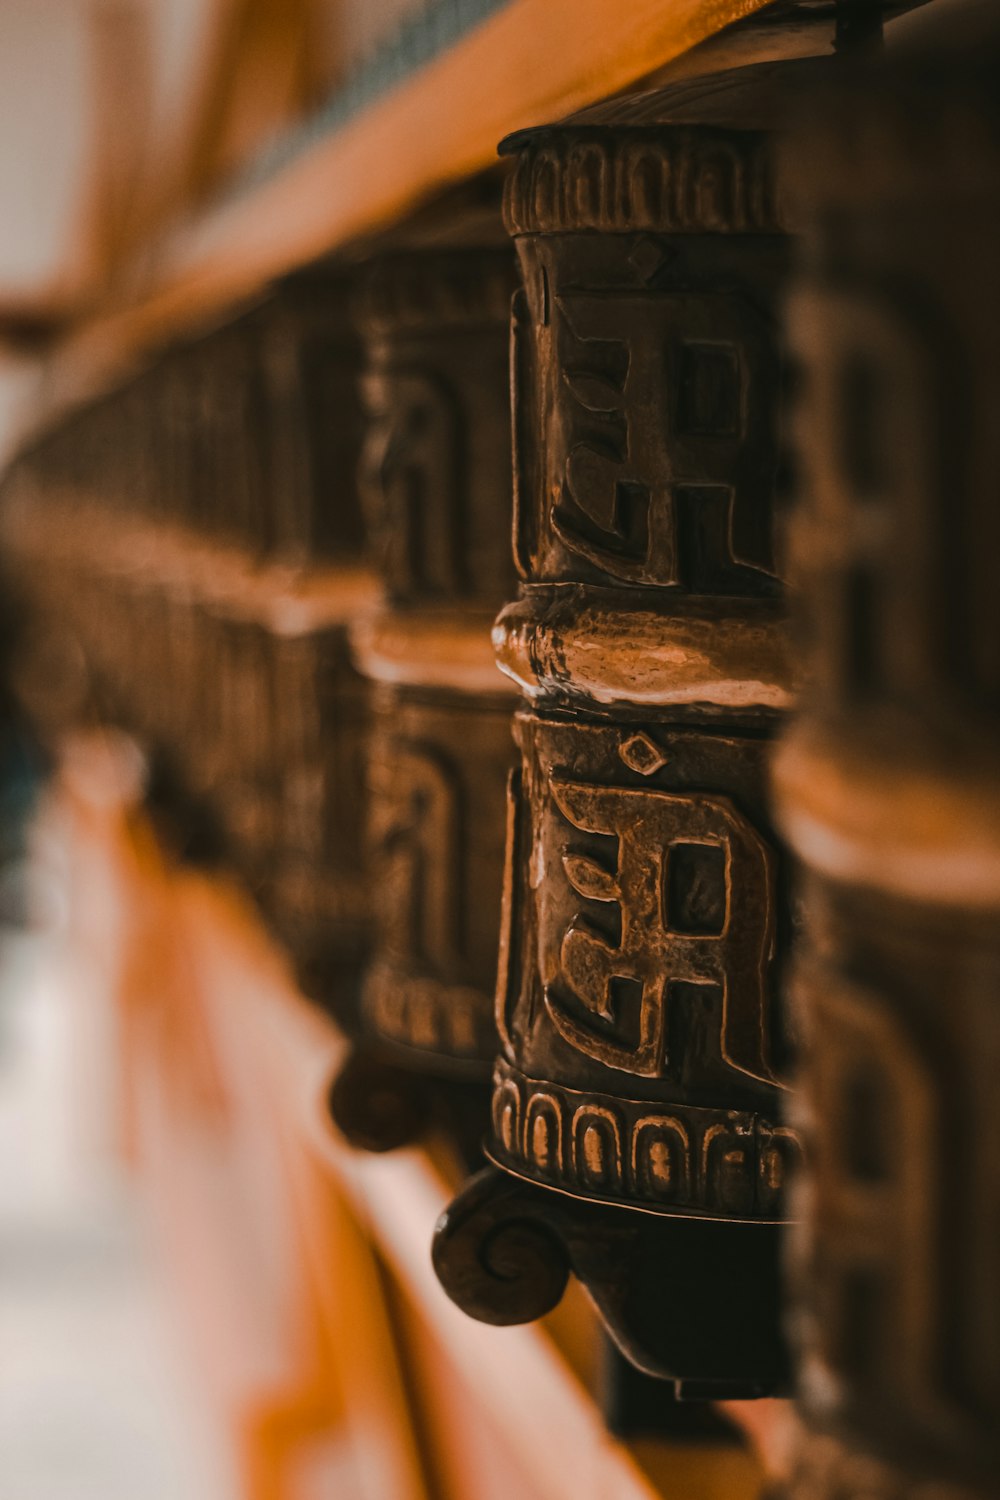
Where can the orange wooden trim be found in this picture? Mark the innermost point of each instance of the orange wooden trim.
(535, 60)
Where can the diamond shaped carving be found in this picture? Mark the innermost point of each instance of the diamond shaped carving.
(641, 753)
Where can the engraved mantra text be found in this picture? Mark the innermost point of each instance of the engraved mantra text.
(648, 824)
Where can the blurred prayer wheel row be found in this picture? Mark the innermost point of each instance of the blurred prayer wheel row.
(191, 559)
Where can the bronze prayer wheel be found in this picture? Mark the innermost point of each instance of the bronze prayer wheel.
(637, 1106)
(889, 784)
(436, 478)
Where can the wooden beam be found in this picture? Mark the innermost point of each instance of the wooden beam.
(532, 61)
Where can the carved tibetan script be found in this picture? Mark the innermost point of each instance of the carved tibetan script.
(411, 479)
(693, 888)
(416, 834)
(663, 454)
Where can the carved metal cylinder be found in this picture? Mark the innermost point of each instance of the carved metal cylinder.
(436, 477)
(889, 788)
(646, 909)
(638, 1030)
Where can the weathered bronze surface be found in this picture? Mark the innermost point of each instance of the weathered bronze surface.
(436, 458)
(437, 777)
(889, 786)
(436, 480)
(639, 1023)
(646, 913)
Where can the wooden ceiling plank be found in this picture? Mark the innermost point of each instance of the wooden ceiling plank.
(531, 61)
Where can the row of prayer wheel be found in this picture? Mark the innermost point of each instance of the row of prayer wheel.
(700, 966)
